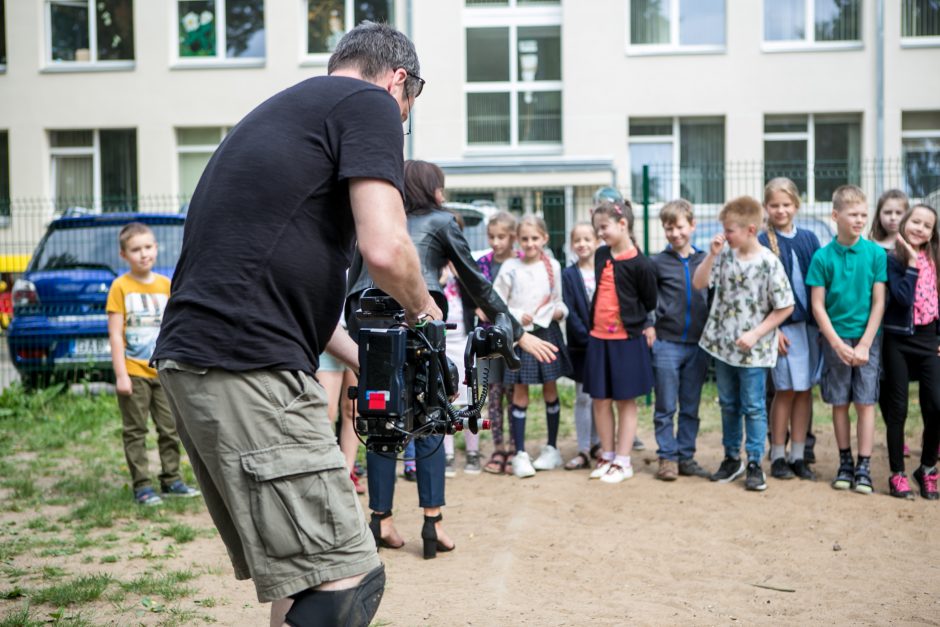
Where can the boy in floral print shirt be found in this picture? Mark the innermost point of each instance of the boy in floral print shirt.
(752, 298)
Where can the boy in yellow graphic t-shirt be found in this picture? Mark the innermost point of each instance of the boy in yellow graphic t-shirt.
(135, 309)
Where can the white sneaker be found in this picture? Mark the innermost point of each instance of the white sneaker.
(617, 473)
(600, 469)
(522, 465)
(548, 459)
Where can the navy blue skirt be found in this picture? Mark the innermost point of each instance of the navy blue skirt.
(618, 369)
(534, 372)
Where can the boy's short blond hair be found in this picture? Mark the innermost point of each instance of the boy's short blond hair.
(675, 209)
(743, 211)
(846, 196)
(132, 229)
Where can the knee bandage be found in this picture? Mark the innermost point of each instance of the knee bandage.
(354, 607)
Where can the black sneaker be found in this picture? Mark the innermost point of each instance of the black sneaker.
(802, 470)
(410, 473)
(863, 480)
(779, 469)
(927, 483)
(755, 478)
(691, 468)
(729, 470)
(844, 477)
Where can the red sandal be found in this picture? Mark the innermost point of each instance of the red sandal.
(497, 463)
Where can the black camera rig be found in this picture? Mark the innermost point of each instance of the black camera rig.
(406, 380)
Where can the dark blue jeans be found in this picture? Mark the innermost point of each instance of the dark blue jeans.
(429, 458)
(679, 370)
(741, 392)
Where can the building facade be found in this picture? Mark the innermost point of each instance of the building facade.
(531, 104)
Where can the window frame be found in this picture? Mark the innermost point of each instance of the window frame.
(513, 17)
(93, 151)
(915, 41)
(809, 136)
(50, 65)
(915, 135)
(809, 43)
(674, 47)
(307, 58)
(194, 149)
(674, 188)
(218, 61)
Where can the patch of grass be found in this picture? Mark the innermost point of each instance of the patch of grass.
(82, 589)
(109, 559)
(102, 510)
(20, 617)
(23, 487)
(170, 585)
(53, 572)
(15, 546)
(180, 532)
(42, 524)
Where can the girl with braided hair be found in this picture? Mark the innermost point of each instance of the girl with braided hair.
(798, 364)
(531, 287)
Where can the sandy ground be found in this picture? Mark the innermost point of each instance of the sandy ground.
(559, 549)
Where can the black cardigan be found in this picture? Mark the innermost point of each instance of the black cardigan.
(635, 282)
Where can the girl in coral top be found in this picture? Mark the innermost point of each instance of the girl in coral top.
(618, 367)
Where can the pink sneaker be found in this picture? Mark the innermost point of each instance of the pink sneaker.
(907, 450)
(900, 487)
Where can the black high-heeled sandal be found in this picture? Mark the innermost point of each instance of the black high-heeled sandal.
(375, 526)
(429, 534)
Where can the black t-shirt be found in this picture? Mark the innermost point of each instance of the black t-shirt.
(269, 234)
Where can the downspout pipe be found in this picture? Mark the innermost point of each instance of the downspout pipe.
(879, 164)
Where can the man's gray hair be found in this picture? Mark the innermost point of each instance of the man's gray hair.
(374, 49)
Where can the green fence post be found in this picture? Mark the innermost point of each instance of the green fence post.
(646, 231)
(646, 209)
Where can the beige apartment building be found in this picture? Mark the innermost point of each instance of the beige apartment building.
(531, 104)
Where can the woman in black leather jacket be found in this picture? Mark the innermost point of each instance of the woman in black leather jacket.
(439, 240)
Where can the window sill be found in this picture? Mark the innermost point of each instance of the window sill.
(68, 67)
(803, 46)
(664, 50)
(920, 42)
(315, 60)
(492, 150)
(216, 64)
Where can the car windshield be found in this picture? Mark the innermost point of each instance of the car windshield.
(94, 247)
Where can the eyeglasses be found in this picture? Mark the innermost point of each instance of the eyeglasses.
(420, 81)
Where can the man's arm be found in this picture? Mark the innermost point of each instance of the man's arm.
(385, 245)
(344, 348)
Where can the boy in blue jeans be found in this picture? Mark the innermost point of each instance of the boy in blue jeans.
(848, 278)
(752, 298)
(679, 363)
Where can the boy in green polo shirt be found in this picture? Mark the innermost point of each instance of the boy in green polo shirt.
(848, 294)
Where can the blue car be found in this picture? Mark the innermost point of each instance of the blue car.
(60, 326)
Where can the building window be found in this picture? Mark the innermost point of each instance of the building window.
(920, 141)
(920, 22)
(816, 23)
(818, 152)
(682, 25)
(514, 77)
(82, 31)
(4, 178)
(94, 169)
(329, 20)
(194, 147)
(697, 145)
(220, 29)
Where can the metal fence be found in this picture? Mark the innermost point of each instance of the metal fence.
(64, 331)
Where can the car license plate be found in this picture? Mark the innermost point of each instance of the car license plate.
(92, 346)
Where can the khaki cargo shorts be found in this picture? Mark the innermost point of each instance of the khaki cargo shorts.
(273, 478)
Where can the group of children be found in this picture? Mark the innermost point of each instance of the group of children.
(773, 308)
(858, 317)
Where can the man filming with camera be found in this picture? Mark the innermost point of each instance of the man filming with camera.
(256, 296)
